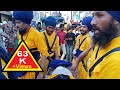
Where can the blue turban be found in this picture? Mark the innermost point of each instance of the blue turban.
(87, 21)
(50, 21)
(115, 15)
(71, 27)
(23, 16)
(78, 24)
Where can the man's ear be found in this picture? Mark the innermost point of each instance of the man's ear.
(26, 24)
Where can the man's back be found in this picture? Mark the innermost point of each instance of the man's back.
(61, 35)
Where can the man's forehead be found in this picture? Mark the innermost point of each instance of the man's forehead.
(50, 27)
(17, 21)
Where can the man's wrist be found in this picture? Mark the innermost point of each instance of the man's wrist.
(49, 58)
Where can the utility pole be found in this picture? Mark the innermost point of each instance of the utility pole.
(50, 13)
(79, 15)
(60, 14)
(71, 15)
(45, 13)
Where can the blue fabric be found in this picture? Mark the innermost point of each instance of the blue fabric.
(71, 27)
(12, 75)
(77, 34)
(115, 15)
(19, 74)
(33, 24)
(87, 21)
(78, 24)
(2, 76)
(50, 21)
(78, 52)
(36, 55)
(36, 74)
(4, 55)
(24, 16)
(56, 63)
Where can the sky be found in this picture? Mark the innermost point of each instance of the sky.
(65, 14)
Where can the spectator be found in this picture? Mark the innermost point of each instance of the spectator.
(61, 34)
(2, 35)
(11, 43)
(39, 27)
(70, 41)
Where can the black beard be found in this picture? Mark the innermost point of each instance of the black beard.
(83, 33)
(22, 31)
(106, 35)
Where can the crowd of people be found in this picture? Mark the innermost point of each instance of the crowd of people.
(92, 45)
(8, 37)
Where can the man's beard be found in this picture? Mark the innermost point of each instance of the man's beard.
(105, 35)
(83, 34)
(22, 31)
(49, 32)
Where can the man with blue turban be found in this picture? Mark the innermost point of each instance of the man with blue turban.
(82, 43)
(105, 62)
(32, 38)
(51, 39)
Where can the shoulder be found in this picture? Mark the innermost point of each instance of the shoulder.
(78, 36)
(113, 57)
(111, 61)
(89, 38)
(34, 31)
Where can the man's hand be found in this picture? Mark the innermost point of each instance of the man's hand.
(56, 55)
(73, 67)
(49, 58)
(73, 70)
(70, 38)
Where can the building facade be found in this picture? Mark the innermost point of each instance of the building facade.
(5, 16)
